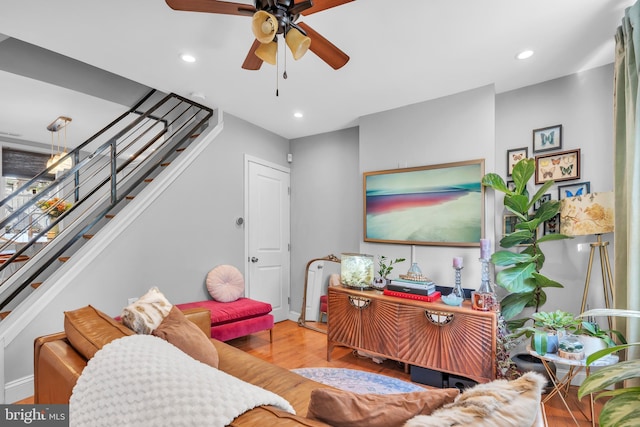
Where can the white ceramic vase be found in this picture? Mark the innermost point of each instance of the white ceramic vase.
(591, 344)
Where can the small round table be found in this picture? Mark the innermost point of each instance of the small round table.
(561, 385)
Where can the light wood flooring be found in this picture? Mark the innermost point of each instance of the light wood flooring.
(297, 347)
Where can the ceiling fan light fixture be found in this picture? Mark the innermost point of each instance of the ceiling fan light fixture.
(264, 26)
(268, 52)
(298, 43)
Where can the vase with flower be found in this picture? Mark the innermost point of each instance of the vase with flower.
(53, 208)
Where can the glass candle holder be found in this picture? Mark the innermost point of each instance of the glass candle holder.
(485, 299)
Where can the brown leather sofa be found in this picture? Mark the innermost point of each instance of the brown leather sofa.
(57, 366)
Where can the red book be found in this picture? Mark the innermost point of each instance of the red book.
(428, 298)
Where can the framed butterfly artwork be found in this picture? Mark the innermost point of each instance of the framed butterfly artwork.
(560, 166)
(514, 156)
(574, 190)
(552, 226)
(547, 139)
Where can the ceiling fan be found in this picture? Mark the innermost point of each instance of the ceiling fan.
(273, 17)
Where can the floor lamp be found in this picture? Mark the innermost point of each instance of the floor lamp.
(591, 214)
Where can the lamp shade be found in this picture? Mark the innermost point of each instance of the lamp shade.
(589, 214)
(264, 26)
(267, 52)
(298, 43)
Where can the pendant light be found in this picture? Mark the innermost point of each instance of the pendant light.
(55, 127)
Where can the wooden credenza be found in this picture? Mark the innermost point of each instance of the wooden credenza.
(457, 340)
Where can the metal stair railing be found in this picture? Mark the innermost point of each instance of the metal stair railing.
(106, 169)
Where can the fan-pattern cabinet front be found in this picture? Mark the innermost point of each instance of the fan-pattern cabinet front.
(457, 340)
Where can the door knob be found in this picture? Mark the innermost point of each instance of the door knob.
(254, 259)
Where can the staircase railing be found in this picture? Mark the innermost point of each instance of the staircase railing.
(105, 170)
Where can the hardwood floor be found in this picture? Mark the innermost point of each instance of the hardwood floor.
(297, 347)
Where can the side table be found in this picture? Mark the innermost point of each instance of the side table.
(561, 385)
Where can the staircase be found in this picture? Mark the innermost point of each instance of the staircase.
(41, 232)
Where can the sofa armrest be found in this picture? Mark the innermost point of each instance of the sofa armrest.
(201, 317)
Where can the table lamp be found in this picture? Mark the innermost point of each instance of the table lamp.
(591, 214)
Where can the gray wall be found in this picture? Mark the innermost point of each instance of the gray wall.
(583, 104)
(326, 202)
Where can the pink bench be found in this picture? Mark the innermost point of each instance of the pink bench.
(238, 318)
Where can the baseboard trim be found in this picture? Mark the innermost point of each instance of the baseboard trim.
(18, 389)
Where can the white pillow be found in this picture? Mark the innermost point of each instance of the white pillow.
(225, 283)
(145, 314)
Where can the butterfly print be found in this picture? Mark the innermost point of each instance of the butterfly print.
(548, 173)
(547, 139)
(569, 159)
(570, 194)
(556, 161)
(544, 163)
(517, 157)
(567, 170)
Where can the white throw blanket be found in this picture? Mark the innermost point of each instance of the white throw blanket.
(142, 380)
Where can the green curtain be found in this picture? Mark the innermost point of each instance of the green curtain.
(627, 173)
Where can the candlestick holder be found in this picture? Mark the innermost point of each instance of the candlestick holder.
(485, 299)
(457, 294)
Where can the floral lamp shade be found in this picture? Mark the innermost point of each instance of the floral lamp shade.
(589, 214)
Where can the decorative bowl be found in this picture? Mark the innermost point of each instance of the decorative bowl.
(452, 299)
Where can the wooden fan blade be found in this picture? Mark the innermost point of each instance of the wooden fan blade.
(252, 62)
(320, 5)
(325, 50)
(212, 6)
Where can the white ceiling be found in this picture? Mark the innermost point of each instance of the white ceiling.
(402, 52)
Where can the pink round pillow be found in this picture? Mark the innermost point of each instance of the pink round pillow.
(225, 283)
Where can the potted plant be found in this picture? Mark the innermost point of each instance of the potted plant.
(521, 276)
(385, 265)
(594, 339)
(547, 329)
(622, 408)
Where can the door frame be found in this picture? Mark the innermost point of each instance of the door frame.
(252, 159)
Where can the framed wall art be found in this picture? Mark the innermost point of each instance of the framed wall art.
(439, 205)
(541, 200)
(514, 156)
(509, 224)
(547, 139)
(552, 226)
(562, 166)
(573, 190)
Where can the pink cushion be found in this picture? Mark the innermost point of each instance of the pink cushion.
(221, 313)
(225, 283)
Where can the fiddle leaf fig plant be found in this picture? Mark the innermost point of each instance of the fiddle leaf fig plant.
(521, 276)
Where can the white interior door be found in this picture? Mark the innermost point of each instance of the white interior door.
(267, 228)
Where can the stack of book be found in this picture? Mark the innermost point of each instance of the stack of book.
(412, 286)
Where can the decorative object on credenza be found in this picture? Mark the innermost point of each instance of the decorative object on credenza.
(356, 270)
(591, 214)
(547, 139)
(457, 293)
(485, 299)
(514, 156)
(438, 205)
(385, 266)
(563, 166)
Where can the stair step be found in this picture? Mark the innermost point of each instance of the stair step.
(110, 216)
(180, 150)
(148, 180)
(64, 258)
(88, 236)
(195, 135)
(165, 164)
(130, 197)
(36, 285)
(4, 314)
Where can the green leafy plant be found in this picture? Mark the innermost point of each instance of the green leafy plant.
(521, 276)
(592, 329)
(544, 324)
(623, 408)
(385, 265)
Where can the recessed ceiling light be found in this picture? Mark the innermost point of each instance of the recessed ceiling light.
(187, 57)
(525, 54)
(298, 115)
